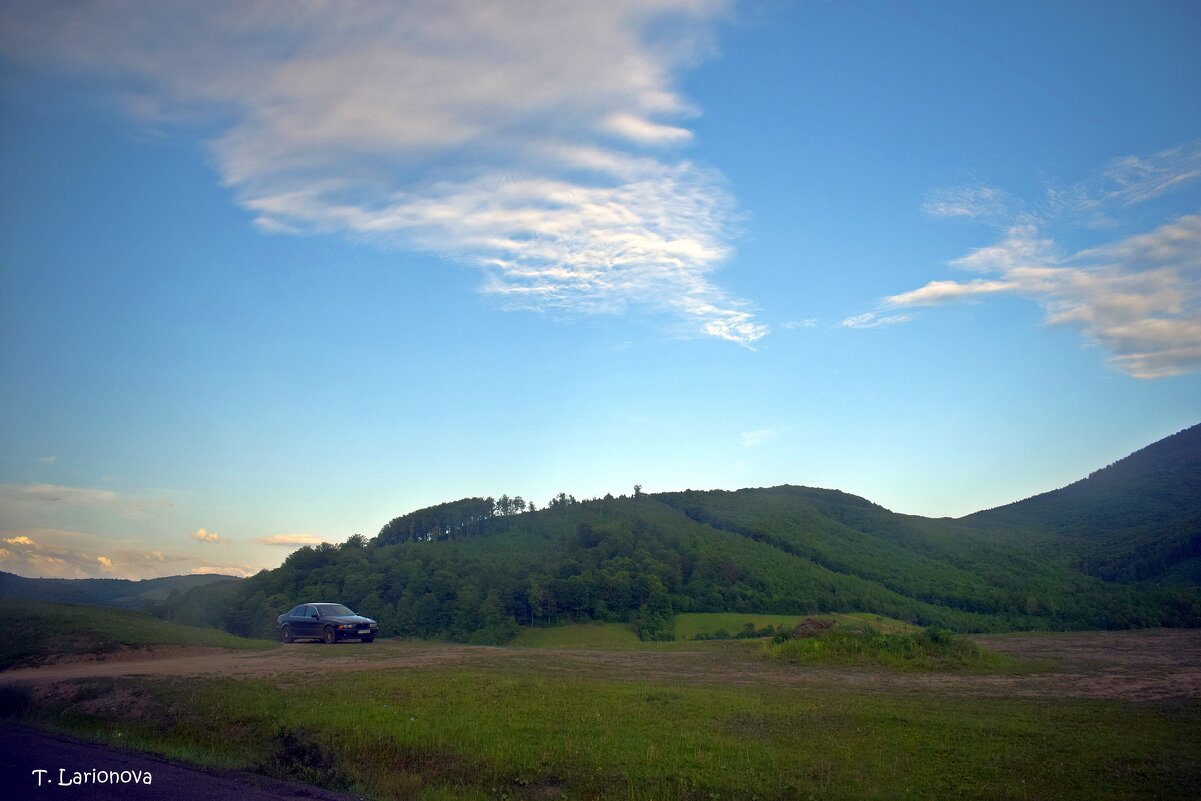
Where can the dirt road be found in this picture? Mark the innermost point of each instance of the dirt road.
(87, 772)
(1146, 665)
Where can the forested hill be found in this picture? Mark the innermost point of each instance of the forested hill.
(477, 568)
(1137, 519)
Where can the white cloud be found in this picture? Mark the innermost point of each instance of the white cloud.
(645, 132)
(524, 138)
(292, 540)
(941, 291)
(1137, 295)
(792, 325)
(202, 535)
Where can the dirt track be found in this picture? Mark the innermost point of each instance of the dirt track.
(1148, 665)
(24, 750)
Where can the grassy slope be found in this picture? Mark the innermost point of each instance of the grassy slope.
(57, 630)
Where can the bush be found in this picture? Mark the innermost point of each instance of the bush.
(930, 649)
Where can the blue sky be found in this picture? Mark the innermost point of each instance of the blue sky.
(275, 273)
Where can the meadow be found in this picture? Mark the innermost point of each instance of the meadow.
(612, 717)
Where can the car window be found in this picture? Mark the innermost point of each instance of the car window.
(333, 610)
(297, 611)
(310, 611)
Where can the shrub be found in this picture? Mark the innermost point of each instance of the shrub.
(930, 649)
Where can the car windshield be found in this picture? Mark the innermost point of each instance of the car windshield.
(332, 610)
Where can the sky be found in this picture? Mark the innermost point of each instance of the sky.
(273, 273)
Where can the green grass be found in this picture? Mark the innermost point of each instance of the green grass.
(690, 624)
(881, 622)
(862, 644)
(619, 636)
(438, 733)
(579, 635)
(56, 630)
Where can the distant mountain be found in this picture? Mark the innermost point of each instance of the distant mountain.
(1138, 519)
(124, 593)
(1118, 549)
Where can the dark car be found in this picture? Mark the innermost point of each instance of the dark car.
(326, 622)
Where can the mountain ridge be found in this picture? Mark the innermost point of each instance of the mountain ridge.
(137, 594)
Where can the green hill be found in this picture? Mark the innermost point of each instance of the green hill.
(1115, 550)
(1138, 519)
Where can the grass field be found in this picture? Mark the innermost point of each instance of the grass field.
(686, 627)
(516, 734)
(578, 635)
(606, 716)
(54, 631)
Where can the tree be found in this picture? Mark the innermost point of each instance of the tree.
(533, 598)
(637, 490)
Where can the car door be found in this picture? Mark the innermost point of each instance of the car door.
(298, 621)
(310, 625)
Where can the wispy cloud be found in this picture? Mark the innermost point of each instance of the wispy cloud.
(536, 142)
(71, 554)
(970, 202)
(874, 320)
(1135, 179)
(24, 497)
(761, 436)
(291, 540)
(1137, 295)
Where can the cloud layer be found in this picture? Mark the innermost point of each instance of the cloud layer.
(537, 142)
(1137, 295)
(53, 553)
(290, 540)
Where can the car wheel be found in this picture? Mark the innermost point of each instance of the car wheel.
(285, 634)
(329, 636)
(368, 639)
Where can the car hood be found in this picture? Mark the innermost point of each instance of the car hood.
(349, 619)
